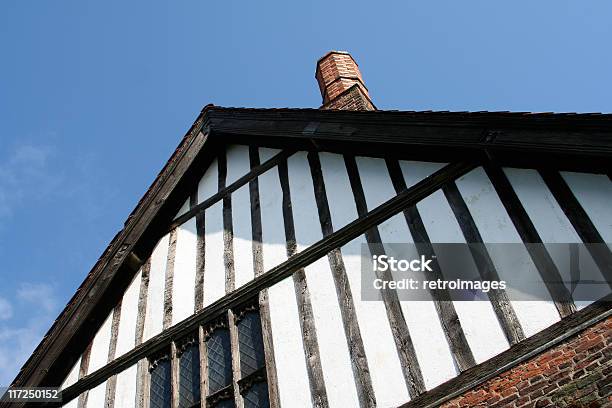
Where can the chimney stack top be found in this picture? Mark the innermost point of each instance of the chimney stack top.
(341, 83)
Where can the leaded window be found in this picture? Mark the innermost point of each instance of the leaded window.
(160, 390)
(219, 354)
(220, 364)
(189, 373)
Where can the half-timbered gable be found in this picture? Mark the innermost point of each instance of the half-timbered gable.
(237, 280)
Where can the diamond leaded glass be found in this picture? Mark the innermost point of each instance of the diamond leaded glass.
(226, 403)
(250, 343)
(257, 396)
(161, 394)
(218, 349)
(189, 376)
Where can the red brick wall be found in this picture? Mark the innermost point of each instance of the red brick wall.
(576, 373)
(352, 99)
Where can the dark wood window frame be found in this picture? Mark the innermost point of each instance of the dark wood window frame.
(239, 384)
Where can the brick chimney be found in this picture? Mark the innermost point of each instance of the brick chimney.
(341, 83)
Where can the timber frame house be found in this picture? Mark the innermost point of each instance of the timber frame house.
(294, 147)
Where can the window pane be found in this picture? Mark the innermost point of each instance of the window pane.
(189, 376)
(226, 403)
(257, 396)
(160, 385)
(218, 348)
(250, 343)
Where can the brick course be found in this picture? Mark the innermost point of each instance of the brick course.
(341, 84)
(574, 374)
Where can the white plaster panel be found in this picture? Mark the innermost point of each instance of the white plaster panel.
(495, 226)
(266, 153)
(415, 171)
(238, 162)
(97, 396)
(385, 369)
(99, 349)
(243, 233)
(594, 193)
(550, 222)
(274, 246)
(125, 391)
(154, 317)
(126, 335)
(541, 207)
(73, 375)
(375, 180)
(214, 267)
(209, 183)
(381, 353)
(184, 208)
(74, 403)
(333, 347)
(339, 193)
(290, 360)
(183, 284)
(478, 319)
(430, 344)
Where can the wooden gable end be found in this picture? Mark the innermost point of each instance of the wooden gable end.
(281, 221)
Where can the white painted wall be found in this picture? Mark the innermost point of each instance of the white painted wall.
(125, 391)
(99, 349)
(126, 334)
(73, 375)
(266, 153)
(243, 233)
(184, 208)
(154, 318)
(333, 347)
(385, 370)
(551, 223)
(431, 347)
(477, 318)
(214, 266)
(209, 183)
(294, 389)
(183, 284)
(293, 386)
(97, 396)
(238, 163)
(274, 246)
(495, 226)
(594, 193)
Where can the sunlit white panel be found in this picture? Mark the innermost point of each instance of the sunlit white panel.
(183, 285)
(495, 226)
(214, 269)
(154, 317)
(126, 334)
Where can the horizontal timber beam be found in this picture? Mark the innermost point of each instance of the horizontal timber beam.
(250, 290)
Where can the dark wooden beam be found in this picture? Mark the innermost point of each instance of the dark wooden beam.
(580, 221)
(504, 311)
(264, 306)
(511, 139)
(251, 289)
(449, 320)
(225, 191)
(528, 233)
(111, 275)
(359, 361)
(304, 305)
(399, 328)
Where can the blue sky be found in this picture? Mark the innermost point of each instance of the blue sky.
(94, 97)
